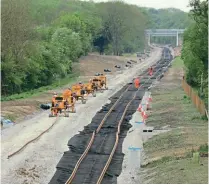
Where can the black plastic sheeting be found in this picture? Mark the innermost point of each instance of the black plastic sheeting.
(91, 167)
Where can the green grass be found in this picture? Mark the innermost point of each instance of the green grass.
(11, 117)
(178, 63)
(129, 54)
(37, 92)
(170, 154)
(177, 171)
(203, 148)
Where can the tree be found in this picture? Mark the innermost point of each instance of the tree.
(195, 48)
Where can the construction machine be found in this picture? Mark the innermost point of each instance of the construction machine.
(90, 88)
(101, 82)
(80, 93)
(70, 100)
(58, 106)
(70, 103)
(103, 79)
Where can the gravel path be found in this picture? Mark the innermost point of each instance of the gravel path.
(133, 158)
(37, 162)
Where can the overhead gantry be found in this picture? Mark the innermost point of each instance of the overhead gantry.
(164, 32)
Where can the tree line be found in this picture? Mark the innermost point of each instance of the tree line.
(169, 18)
(41, 40)
(195, 48)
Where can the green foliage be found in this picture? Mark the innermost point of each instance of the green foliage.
(48, 36)
(178, 63)
(195, 49)
(203, 148)
(169, 18)
(119, 34)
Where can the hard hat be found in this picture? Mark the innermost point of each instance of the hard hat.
(80, 82)
(55, 93)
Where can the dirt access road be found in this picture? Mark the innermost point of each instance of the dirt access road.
(37, 162)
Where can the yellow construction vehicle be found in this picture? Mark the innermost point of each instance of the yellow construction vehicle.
(70, 100)
(70, 103)
(90, 88)
(58, 106)
(101, 82)
(80, 93)
(103, 79)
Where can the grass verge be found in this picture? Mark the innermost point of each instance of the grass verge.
(37, 92)
(178, 63)
(170, 154)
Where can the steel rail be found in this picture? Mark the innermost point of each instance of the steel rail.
(117, 138)
(70, 179)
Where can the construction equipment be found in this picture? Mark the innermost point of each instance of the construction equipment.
(101, 82)
(80, 93)
(103, 79)
(70, 100)
(90, 88)
(58, 106)
(70, 103)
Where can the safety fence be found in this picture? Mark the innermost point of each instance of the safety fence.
(199, 104)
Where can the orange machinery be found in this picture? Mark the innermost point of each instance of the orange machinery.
(80, 93)
(101, 82)
(58, 106)
(70, 100)
(90, 88)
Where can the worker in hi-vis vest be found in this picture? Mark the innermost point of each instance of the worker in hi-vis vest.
(137, 82)
(150, 71)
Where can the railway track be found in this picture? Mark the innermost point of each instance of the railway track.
(100, 141)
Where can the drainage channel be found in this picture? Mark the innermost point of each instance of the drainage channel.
(90, 168)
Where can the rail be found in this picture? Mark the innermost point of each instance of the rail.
(70, 179)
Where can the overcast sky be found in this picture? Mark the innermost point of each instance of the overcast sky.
(180, 4)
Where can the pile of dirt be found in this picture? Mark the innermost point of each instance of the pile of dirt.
(94, 63)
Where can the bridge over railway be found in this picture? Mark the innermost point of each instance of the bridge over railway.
(164, 32)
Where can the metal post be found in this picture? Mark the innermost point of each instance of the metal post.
(177, 38)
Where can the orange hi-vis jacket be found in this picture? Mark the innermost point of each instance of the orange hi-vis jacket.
(137, 82)
(150, 71)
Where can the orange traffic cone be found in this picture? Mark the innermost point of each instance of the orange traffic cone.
(145, 115)
(142, 112)
(139, 108)
(150, 98)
